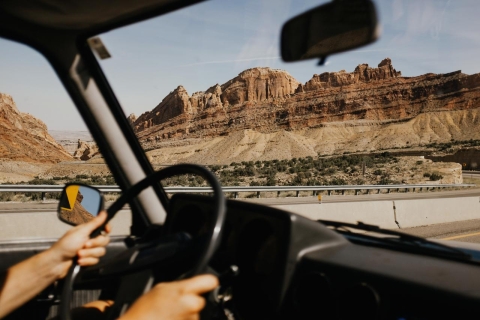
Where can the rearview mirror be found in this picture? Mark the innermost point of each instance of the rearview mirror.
(330, 28)
(79, 204)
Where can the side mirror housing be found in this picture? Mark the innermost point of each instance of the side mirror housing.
(79, 204)
(330, 28)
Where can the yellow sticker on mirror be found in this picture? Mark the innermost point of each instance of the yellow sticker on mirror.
(71, 192)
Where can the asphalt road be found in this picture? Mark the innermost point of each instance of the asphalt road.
(463, 231)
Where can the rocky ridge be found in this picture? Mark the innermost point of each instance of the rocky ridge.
(25, 138)
(271, 114)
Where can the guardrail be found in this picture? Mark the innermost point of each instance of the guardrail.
(237, 189)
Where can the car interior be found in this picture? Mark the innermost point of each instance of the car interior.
(272, 264)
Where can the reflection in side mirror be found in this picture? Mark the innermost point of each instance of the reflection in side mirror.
(333, 27)
(79, 204)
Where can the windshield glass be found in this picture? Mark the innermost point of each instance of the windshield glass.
(206, 85)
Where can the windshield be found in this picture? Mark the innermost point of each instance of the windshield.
(206, 85)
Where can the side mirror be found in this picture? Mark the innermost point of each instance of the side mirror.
(79, 204)
(330, 28)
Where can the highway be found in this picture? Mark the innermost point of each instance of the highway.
(369, 197)
(462, 231)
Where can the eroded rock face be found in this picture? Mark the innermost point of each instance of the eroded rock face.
(268, 101)
(85, 151)
(251, 86)
(131, 119)
(24, 137)
(363, 73)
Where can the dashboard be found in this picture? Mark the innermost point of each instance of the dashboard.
(294, 268)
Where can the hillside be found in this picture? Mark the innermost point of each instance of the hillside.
(265, 114)
(26, 138)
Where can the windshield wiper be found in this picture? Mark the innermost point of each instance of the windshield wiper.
(418, 244)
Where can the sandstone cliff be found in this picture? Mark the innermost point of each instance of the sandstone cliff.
(25, 138)
(334, 112)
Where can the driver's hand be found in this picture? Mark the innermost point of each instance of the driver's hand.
(178, 300)
(76, 242)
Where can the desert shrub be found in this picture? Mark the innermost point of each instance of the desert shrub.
(435, 176)
(109, 181)
(419, 162)
(271, 181)
(6, 196)
(377, 172)
(426, 175)
(385, 179)
(337, 182)
(296, 181)
(359, 181)
(313, 182)
(38, 181)
(330, 171)
(215, 168)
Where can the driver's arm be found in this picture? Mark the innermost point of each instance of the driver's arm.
(178, 300)
(25, 280)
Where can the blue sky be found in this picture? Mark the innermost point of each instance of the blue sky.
(214, 41)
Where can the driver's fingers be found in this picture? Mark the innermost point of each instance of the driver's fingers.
(100, 241)
(191, 303)
(199, 284)
(95, 222)
(93, 252)
(89, 261)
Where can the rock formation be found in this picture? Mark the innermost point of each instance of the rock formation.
(131, 119)
(85, 151)
(25, 138)
(333, 112)
(250, 87)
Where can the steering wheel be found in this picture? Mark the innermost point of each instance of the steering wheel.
(146, 255)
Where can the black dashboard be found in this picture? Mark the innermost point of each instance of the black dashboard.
(295, 268)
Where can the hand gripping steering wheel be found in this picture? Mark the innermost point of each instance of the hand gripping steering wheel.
(160, 250)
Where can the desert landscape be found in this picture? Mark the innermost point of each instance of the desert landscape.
(263, 127)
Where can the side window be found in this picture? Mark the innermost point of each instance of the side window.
(44, 141)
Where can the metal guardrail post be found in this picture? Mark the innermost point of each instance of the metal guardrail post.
(278, 194)
(298, 193)
(43, 196)
(356, 192)
(235, 195)
(329, 192)
(258, 194)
